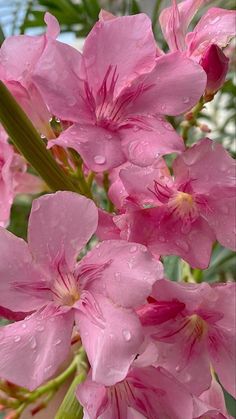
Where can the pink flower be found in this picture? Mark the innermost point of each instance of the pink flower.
(99, 293)
(216, 26)
(194, 326)
(17, 73)
(211, 403)
(13, 178)
(183, 215)
(144, 393)
(117, 93)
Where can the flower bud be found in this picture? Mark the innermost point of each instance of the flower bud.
(215, 64)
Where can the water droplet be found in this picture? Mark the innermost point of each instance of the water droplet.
(99, 159)
(135, 129)
(126, 334)
(33, 343)
(186, 100)
(162, 239)
(133, 249)
(58, 341)
(177, 368)
(71, 101)
(40, 328)
(109, 136)
(17, 339)
(24, 325)
(182, 244)
(214, 20)
(163, 107)
(46, 369)
(117, 276)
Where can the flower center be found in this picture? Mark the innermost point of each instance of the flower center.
(65, 289)
(196, 327)
(184, 206)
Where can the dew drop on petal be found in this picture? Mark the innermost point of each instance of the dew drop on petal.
(117, 276)
(99, 159)
(126, 334)
(40, 328)
(186, 100)
(33, 343)
(133, 249)
(58, 341)
(17, 339)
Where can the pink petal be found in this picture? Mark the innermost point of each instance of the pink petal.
(29, 184)
(99, 148)
(214, 397)
(221, 218)
(216, 66)
(59, 76)
(194, 164)
(60, 225)
(126, 44)
(112, 341)
(217, 26)
(92, 396)
(53, 27)
(173, 87)
(130, 273)
(174, 21)
(36, 347)
(17, 269)
(223, 357)
(106, 228)
(143, 146)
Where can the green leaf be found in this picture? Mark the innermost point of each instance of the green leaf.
(70, 407)
(172, 267)
(28, 141)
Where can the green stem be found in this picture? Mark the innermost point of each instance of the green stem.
(25, 137)
(191, 118)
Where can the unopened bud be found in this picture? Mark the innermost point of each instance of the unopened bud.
(215, 64)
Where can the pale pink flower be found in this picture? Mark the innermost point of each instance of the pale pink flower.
(13, 178)
(145, 393)
(99, 293)
(117, 93)
(184, 214)
(18, 57)
(216, 26)
(194, 327)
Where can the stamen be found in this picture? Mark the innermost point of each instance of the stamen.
(184, 206)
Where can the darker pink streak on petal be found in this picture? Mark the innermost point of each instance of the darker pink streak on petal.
(143, 146)
(217, 26)
(131, 271)
(175, 86)
(35, 347)
(16, 270)
(59, 76)
(222, 350)
(99, 148)
(125, 43)
(215, 64)
(60, 225)
(112, 342)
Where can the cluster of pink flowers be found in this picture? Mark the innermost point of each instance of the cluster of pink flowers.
(153, 345)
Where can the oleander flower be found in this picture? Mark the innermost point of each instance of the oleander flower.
(194, 327)
(181, 215)
(44, 280)
(117, 92)
(145, 393)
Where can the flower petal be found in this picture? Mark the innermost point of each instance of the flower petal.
(143, 146)
(125, 44)
(217, 26)
(36, 347)
(173, 87)
(99, 148)
(60, 225)
(110, 343)
(130, 272)
(59, 76)
(17, 270)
